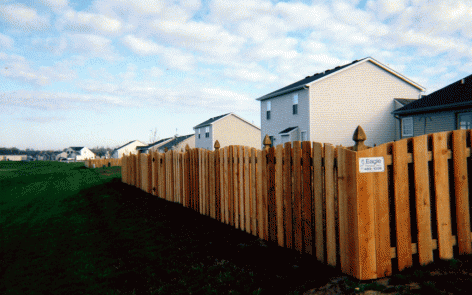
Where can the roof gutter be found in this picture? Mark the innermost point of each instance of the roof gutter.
(433, 108)
(283, 92)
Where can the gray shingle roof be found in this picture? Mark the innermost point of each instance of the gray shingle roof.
(307, 80)
(77, 148)
(152, 144)
(209, 121)
(288, 130)
(452, 96)
(175, 141)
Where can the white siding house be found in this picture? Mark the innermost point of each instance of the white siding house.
(79, 153)
(130, 147)
(328, 106)
(228, 129)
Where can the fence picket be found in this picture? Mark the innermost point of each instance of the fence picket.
(279, 194)
(318, 200)
(330, 205)
(260, 213)
(226, 184)
(271, 206)
(235, 187)
(288, 213)
(297, 196)
(242, 216)
(422, 197)
(461, 188)
(441, 187)
(247, 195)
(253, 192)
(307, 198)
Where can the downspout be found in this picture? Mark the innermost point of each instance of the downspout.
(400, 123)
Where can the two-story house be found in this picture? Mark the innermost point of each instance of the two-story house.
(178, 143)
(79, 153)
(126, 149)
(446, 109)
(153, 146)
(228, 129)
(327, 107)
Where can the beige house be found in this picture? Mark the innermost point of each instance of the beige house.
(178, 143)
(228, 129)
(13, 157)
(128, 148)
(328, 106)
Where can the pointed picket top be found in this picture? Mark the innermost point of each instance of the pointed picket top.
(187, 148)
(359, 137)
(165, 150)
(266, 142)
(217, 145)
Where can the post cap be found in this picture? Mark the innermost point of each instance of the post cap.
(217, 145)
(266, 142)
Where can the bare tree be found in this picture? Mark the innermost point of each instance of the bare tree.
(153, 137)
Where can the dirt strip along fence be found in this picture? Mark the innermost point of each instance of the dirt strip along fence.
(313, 197)
(102, 163)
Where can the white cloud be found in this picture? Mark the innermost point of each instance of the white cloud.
(199, 36)
(93, 46)
(85, 22)
(152, 72)
(283, 48)
(56, 5)
(18, 68)
(252, 73)
(171, 57)
(21, 17)
(57, 46)
(6, 42)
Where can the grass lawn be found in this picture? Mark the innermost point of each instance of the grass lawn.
(66, 229)
(69, 229)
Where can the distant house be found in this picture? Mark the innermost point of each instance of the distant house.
(128, 148)
(328, 106)
(178, 143)
(79, 153)
(446, 109)
(153, 146)
(228, 129)
(13, 157)
(63, 155)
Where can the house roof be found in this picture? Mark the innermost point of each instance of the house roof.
(175, 141)
(125, 144)
(214, 119)
(211, 120)
(152, 144)
(288, 130)
(452, 96)
(320, 76)
(76, 148)
(405, 101)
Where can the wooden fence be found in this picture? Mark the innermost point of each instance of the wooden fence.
(315, 199)
(102, 162)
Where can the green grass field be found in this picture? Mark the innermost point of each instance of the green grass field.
(69, 229)
(66, 229)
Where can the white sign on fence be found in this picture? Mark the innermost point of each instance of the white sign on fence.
(371, 164)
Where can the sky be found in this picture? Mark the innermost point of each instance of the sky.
(105, 72)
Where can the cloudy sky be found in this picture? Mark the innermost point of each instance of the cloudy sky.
(105, 72)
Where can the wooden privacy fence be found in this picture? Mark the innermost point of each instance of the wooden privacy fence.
(102, 162)
(319, 199)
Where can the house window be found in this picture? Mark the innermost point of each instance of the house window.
(295, 104)
(198, 132)
(268, 110)
(207, 132)
(464, 120)
(407, 126)
(304, 136)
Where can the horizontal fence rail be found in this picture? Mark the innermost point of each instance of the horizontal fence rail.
(313, 197)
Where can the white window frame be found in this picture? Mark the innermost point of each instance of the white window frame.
(269, 106)
(207, 131)
(295, 104)
(407, 126)
(303, 134)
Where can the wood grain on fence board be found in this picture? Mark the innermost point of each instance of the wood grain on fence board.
(343, 197)
(149, 167)
(382, 216)
(235, 187)
(307, 198)
(260, 214)
(330, 205)
(247, 192)
(441, 187)
(318, 200)
(242, 222)
(422, 197)
(226, 184)
(297, 196)
(265, 209)
(271, 209)
(461, 188)
(218, 183)
(279, 193)
(287, 198)
(253, 192)
(402, 204)
(212, 168)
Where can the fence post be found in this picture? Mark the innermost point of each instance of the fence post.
(266, 142)
(217, 145)
(359, 137)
